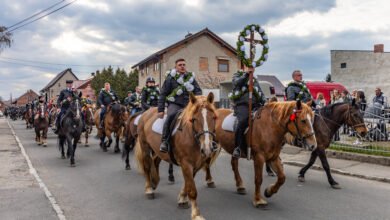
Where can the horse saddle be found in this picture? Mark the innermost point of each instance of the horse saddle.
(230, 122)
(158, 126)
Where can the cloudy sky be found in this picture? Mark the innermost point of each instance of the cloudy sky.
(91, 34)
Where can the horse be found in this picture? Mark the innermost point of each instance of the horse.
(89, 123)
(191, 146)
(52, 116)
(114, 120)
(28, 117)
(270, 124)
(326, 123)
(130, 141)
(71, 126)
(41, 125)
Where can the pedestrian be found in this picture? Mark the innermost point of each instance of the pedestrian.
(336, 97)
(379, 98)
(320, 101)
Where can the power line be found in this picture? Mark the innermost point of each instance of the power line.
(16, 28)
(38, 13)
(59, 64)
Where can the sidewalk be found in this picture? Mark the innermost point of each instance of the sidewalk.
(20, 195)
(298, 157)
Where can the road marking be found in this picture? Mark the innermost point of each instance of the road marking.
(33, 171)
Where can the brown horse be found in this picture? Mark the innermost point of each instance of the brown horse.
(28, 117)
(41, 125)
(270, 124)
(192, 146)
(88, 120)
(52, 116)
(114, 120)
(326, 123)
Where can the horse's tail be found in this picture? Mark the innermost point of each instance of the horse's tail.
(146, 164)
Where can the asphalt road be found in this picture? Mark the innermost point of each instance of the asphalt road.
(100, 188)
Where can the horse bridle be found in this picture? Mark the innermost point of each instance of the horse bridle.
(197, 135)
(354, 126)
(296, 126)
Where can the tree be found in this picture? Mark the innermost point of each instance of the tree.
(5, 38)
(133, 79)
(328, 78)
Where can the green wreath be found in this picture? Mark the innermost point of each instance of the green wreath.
(151, 92)
(185, 84)
(303, 88)
(241, 47)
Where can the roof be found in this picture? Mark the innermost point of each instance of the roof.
(58, 77)
(185, 40)
(279, 87)
(84, 82)
(26, 93)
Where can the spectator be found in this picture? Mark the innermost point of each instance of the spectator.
(336, 97)
(379, 98)
(345, 96)
(361, 100)
(320, 101)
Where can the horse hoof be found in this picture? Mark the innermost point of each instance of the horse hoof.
(72, 165)
(198, 218)
(63, 157)
(271, 174)
(241, 191)
(150, 195)
(117, 151)
(211, 185)
(44, 145)
(301, 179)
(86, 145)
(183, 205)
(128, 167)
(104, 149)
(335, 186)
(260, 204)
(266, 194)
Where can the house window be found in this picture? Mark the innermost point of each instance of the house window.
(147, 69)
(343, 65)
(156, 66)
(223, 65)
(203, 64)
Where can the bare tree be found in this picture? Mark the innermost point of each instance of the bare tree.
(5, 38)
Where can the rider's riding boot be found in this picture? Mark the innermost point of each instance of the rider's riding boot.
(101, 124)
(164, 147)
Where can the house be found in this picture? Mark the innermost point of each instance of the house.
(362, 69)
(276, 83)
(27, 97)
(58, 83)
(84, 86)
(211, 58)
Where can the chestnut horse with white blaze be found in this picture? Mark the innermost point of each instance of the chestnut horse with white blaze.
(270, 124)
(192, 147)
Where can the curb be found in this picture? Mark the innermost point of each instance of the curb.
(373, 159)
(34, 172)
(316, 167)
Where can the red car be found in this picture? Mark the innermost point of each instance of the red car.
(325, 88)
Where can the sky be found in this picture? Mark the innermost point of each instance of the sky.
(91, 34)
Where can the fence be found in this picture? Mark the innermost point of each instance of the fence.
(376, 142)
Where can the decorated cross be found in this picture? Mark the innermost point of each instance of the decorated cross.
(248, 35)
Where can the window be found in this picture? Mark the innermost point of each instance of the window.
(203, 64)
(223, 65)
(343, 65)
(156, 66)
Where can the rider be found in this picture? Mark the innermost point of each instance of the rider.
(175, 91)
(86, 102)
(297, 89)
(63, 101)
(240, 98)
(135, 101)
(106, 97)
(150, 93)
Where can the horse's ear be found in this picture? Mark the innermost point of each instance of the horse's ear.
(299, 105)
(210, 98)
(192, 98)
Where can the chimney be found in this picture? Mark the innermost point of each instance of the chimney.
(379, 48)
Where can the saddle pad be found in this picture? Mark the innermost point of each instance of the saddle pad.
(229, 123)
(137, 119)
(158, 126)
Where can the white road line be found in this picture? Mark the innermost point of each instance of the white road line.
(33, 171)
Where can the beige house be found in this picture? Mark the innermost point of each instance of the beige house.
(207, 55)
(54, 87)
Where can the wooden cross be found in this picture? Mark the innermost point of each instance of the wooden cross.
(252, 42)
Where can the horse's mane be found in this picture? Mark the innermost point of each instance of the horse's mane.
(116, 109)
(328, 110)
(190, 109)
(283, 110)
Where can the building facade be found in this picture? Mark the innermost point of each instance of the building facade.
(27, 97)
(210, 57)
(58, 83)
(365, 70)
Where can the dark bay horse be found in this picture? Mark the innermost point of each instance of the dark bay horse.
(114, 120)
(89, 122)
(41, 125)
(70, 130)
(270, 124)
(192, 146)
(326, 123)
(28, 117)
